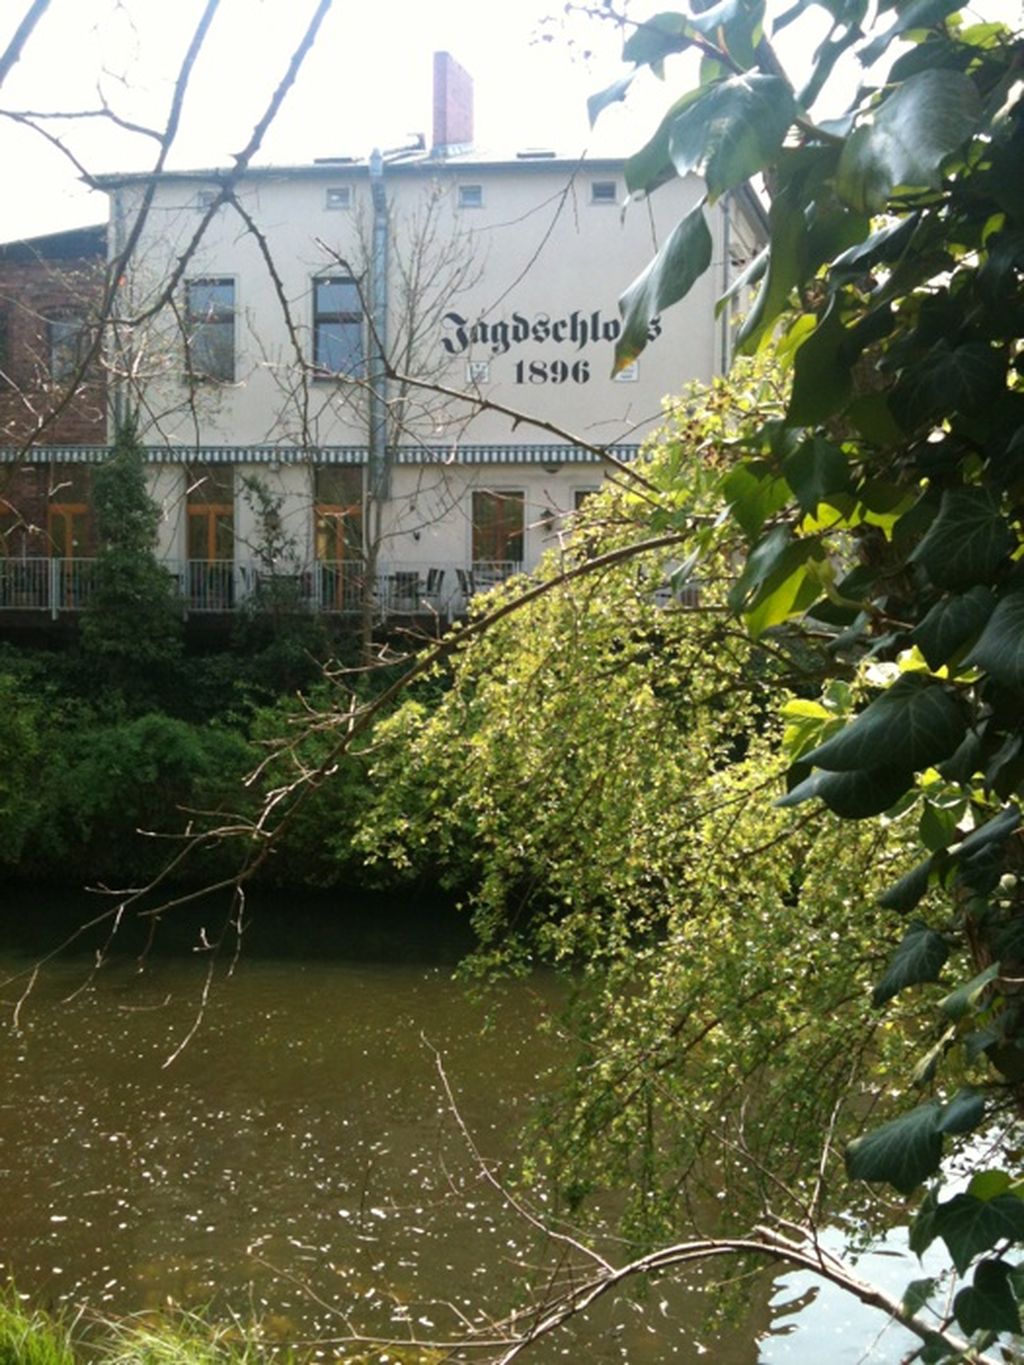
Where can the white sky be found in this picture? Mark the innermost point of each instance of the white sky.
(366, 83)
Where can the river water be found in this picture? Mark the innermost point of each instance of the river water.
(299, 1160)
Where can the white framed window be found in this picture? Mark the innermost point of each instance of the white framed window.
(210, 329)
(471, 196)
(629, 373)
(338, 197)
(604, 192)
(338, 326)
(478, 371)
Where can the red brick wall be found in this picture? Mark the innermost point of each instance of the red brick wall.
(453, 104)
(32, 405)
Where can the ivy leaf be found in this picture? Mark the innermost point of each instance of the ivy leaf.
(969, 377)
(969, 1225)
(612, 94)
(653, 40)
(965, 997)
(822, 380)
(909, 136)
(732, 131)
(652, 166)
(1000, 650)
(815, 472)
(754, 494)
(854, 796)
(917, 1294)
(916, 14)
(913, 724)
(968, 540)
(920, 956)
(903, 895)
(994, 831)
(902, 1153)
(951, 623)
(777, 581)
(922, 1226)
(989, 1304)
(963, 1113)
(788, 235)
(671, 275)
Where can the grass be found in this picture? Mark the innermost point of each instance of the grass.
(33, 1337)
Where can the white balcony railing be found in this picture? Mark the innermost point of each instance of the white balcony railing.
(222, 585)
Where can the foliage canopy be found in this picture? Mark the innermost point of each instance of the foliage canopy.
(882, 513)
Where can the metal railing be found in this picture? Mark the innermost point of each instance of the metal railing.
(222, 585)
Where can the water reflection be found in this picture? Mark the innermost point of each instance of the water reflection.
(298, 1162)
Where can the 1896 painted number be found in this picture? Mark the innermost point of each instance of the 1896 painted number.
(552, 371)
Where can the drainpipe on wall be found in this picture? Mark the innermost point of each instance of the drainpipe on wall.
(379, 461)
(379, 458)
(115, 249)
(726, 281)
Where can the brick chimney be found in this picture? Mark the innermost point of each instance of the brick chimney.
(453, 106)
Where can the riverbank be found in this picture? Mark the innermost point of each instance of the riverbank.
(33, 1337)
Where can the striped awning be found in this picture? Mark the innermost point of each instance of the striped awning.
(515, 453)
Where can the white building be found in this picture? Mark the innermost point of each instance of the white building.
(283, 445)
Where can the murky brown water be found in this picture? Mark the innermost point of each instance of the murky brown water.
(299, 1161)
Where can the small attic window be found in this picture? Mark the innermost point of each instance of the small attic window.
(471, 196)
(604, 192)
(205, 199)
(338, 197)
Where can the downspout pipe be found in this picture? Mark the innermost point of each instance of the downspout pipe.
(379, 456)
(726, 321)
(114, 341)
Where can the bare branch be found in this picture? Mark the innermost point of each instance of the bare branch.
(22, 34)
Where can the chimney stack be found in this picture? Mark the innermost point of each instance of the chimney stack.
(453, 107)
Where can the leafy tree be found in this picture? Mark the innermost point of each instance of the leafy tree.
(131, 626)
(599, 781)
(883, 511)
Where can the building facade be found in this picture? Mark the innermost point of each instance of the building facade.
(389, 380)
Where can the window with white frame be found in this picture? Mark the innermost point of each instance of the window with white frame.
(338, 197)
(338, 326)
(471, 196)
(210, 329)
(604, 192)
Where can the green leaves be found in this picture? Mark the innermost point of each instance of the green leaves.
(732, 131)
(902, 1152)
(952, 623)
(671, 275)
(920, 957)
(778, 581)
(912, 725)
(1000, 650)
(989, 1304)
(971, 1226)
(908, 1149)
(821, 371)
(967, 542)
(854, 796)
(910, 134)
